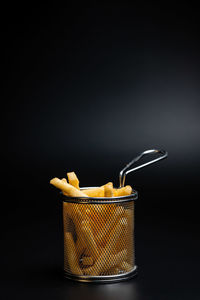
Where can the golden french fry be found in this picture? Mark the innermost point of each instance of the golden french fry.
(75, 212)
(129, 213)
(115, 192)
(64, 180)
(124, 191)
(67, 188)
(65, 217)
(108, 192)
(87, 261)
(110, 183)
(123, 241)
(108, 189)
(105, 230)
(71, 254)
(79, 215)
(69, 215)
(80, 247)
(95, 192)
(99, 191)
(73, 180)
(103, 259)
(81, 244)
(89, 239)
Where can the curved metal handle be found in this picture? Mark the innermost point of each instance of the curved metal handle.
(125, 171)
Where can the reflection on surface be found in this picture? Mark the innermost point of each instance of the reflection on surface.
(50, 280)
(122, 290)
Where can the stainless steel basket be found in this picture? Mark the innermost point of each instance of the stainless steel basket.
(99, 243)
(99, 238)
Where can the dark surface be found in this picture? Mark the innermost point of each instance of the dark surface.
(167, 253)
(87, 89)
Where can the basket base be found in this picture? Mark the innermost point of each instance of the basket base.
(102, 279)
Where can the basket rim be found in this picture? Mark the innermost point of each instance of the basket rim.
(102, 279)
(99, 200)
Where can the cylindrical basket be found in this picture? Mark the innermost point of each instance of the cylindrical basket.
(99, 241)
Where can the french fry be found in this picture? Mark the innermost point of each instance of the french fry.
(80, 247)
(126, 237)
(81, 243)
(102, 263)
(122, 241)
(95, 192)
(79, 215)
(108, 189)
(73, 180)
(89, 239)
(87, 261)
(108, 192)
(75, 212)
(64, 180)
(99, 191)
(67, 188)
(124, 191)
(69, 215)
(71, 254)
(110, 183)
(105, 230)
(115, 192)
(129, 213)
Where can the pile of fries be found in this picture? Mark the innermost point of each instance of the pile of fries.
(98, 238)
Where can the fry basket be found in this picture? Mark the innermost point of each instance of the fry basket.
(99, 241)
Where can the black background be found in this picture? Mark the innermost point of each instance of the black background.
(86, 88)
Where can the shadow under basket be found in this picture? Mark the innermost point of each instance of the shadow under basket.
(99, 241)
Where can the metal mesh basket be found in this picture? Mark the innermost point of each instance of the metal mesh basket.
(99, 238)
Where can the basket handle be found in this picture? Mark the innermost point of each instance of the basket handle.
(122, 175)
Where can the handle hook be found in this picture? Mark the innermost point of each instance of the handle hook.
(125, 171)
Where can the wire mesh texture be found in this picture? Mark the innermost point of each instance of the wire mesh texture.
(98, 236)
